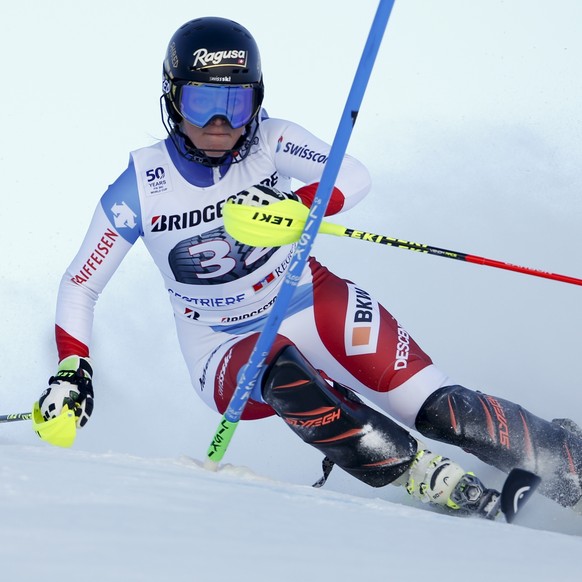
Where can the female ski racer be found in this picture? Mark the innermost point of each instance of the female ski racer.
(335, 341)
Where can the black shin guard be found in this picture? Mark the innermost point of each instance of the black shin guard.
(505, 435)
(357, 438)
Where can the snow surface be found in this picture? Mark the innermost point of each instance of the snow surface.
(471, 128)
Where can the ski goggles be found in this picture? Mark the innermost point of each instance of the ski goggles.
(199, 104)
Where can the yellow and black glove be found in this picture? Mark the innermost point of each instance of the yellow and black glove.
(66, 404)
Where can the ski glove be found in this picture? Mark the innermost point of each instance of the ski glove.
(71, 386)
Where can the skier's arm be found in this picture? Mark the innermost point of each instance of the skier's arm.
(113, 230)
(299, 154)
(115, 226)
(98, 258)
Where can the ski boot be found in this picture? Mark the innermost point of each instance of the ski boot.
(438, 480)
(470, 496)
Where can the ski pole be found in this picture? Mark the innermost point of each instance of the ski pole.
(250, 372)
(282, 223)
(15, 416)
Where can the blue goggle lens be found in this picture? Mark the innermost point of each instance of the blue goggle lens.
(199, 104)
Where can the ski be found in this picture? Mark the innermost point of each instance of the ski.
(517, 489)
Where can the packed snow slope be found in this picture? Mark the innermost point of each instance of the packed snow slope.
(118, 517)
(471, 128)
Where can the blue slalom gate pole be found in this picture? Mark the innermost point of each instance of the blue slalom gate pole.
(338, 149)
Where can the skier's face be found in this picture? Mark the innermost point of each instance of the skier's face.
(215, 138)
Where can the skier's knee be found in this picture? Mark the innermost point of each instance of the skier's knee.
(328, 416)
